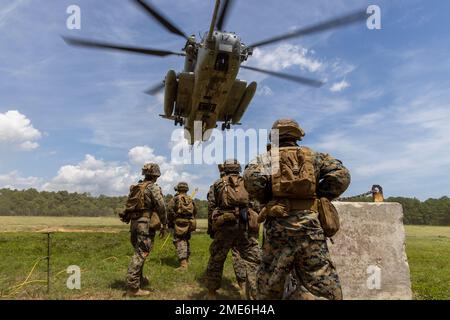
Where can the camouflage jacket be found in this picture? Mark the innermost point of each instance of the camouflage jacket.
(331, 176)
(154, 201)
(172, 210)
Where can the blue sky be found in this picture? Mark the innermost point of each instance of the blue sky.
(77, 119)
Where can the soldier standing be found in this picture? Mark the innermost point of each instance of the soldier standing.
(298, 183)
(181, 216)
(229, 220)
(237, 262)
(146, 211)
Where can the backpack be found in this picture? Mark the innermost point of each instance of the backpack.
(232, 192)
(136, 198)
(184, 205)
(294, 175)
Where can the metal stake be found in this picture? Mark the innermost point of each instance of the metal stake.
(48, 261)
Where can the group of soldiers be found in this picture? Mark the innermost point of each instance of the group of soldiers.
(289, 189)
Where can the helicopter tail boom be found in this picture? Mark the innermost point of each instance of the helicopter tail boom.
(214, 21)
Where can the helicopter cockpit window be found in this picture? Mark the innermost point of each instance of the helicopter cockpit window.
(222, 62)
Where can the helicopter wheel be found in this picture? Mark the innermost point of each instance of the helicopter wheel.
(228, 126)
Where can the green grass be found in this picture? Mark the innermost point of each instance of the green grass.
(103, 259)
(101, 248)
(428, 251)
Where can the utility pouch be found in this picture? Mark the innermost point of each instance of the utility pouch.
(155, 222)
(329, 217)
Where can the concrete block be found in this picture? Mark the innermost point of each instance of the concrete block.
(369, 251)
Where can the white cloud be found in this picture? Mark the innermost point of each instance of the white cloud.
(16, 130)
(142, 154)
(93, 176)
(14, 180)
(264, 91)
(285, 56)
(6, 11)
(339, 86)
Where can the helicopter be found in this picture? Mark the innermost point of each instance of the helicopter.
(208, 91)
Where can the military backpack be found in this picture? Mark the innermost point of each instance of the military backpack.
(293, 175)
(232, 192)
(136, 198)
(184, 205)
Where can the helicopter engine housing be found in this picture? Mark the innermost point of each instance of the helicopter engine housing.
(246, 99)
(186, 83)
(170, 94)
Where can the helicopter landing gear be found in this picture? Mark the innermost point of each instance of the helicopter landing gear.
(179, 121)
(226, 125)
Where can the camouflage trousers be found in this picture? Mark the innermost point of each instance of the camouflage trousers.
(239, 263)
(182, 246)
(296, 246)
(228, 237)
(142, 239)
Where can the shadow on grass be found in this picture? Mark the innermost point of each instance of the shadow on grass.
(119, 285)
(170, 261)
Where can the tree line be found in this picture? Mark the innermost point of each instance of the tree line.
(62, 203)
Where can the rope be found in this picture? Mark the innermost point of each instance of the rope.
(16, 288)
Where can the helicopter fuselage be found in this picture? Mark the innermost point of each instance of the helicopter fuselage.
(208, 90)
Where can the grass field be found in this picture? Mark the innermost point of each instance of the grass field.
(100, 247)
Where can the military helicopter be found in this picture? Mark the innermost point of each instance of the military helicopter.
(208, 91)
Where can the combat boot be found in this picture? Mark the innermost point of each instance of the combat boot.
(211, 295)
(183, 265)
(136, 293)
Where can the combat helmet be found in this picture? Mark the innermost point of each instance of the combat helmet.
(151, 169)
(232, 166)
(182, 186)
(288, 129)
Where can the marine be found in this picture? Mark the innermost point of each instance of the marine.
(146, 213)
(182, 214)
(296, 185)
(238, 263)
(229, 224)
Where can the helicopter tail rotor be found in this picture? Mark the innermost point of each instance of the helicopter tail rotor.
(223, 15)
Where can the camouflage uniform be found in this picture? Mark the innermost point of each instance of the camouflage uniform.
(296, 244)
(232, 234)
(237, 261)
(181, 242)
(142, 235)
(239, 266)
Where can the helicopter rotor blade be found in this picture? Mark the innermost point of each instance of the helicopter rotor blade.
(153, 91)
(224, 14)
(354, 17)
(290, 77)
(103, 45)
(158, 16)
